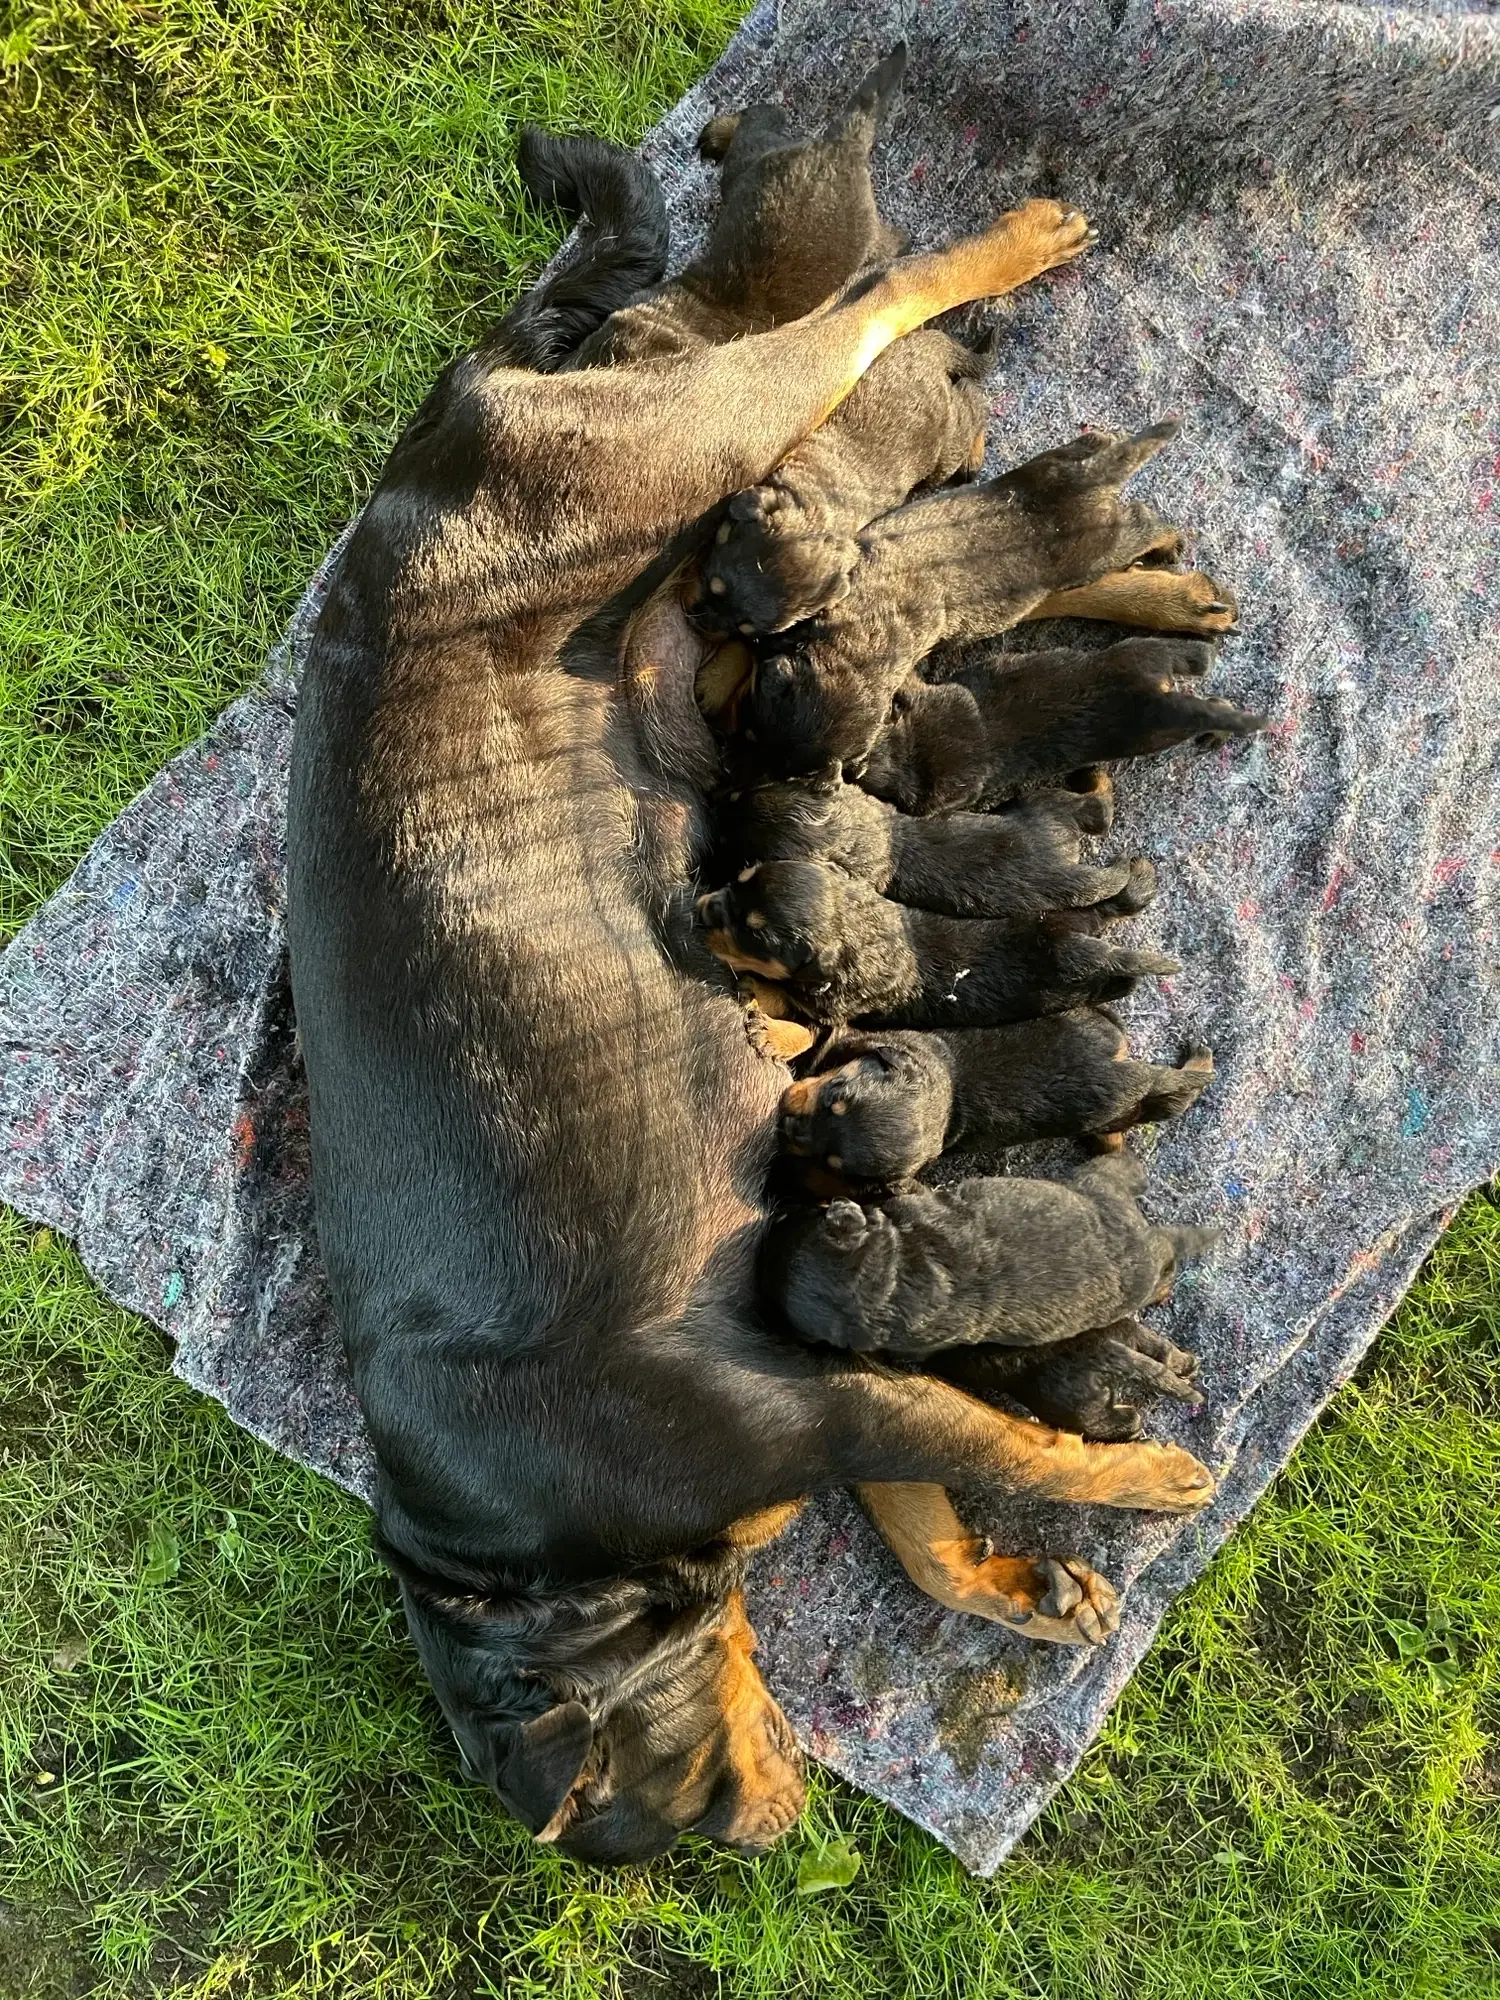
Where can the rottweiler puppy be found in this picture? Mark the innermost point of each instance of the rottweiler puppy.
(796, 220)
(1094, 1384)
(1010, 1261)
(1018, 862)
(997, 724)
(789, 548)
(846, 953)
(539, 1145)
(883, 1106)
(966, 563)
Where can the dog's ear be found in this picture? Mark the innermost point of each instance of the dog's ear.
(536, 1766)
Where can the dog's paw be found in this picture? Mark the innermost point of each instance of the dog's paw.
(1039, 235)
(1189, 601)
(1152, 1362)
(1094, 792)
(1137, 892)
(1158, 1478)
(1057, 1599)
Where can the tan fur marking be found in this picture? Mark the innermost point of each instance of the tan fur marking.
(1018, 247)
(787, 1039)
(723, 946)
(1163, 600)
(753, 1531)
(721, 681)
(923, 1531)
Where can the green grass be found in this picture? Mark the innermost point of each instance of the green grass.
(238, 241)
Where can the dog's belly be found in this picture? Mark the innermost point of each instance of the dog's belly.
(536, 1140)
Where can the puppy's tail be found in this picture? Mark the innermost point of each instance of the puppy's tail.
(621, 247)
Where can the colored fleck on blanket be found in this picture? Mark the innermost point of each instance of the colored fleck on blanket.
(1299, 206)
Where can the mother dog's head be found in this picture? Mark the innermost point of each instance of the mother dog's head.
(611, 1722)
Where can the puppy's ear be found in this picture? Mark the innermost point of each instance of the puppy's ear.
(536, 1766)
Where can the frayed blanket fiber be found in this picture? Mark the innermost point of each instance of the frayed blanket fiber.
(1299, 207)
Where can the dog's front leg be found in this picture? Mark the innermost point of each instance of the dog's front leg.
(1161, 600)
(1061, 1600)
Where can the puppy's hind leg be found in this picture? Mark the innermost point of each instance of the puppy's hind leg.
(1173, 1091)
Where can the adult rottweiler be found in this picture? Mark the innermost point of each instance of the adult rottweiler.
(540, 1129)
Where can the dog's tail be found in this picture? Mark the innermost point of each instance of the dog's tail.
(620, 249)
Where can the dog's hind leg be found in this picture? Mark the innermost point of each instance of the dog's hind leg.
(1061, 1600)
(872, 1426)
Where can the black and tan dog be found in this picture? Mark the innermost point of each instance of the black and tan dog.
(843, 952)
(1018, 862)
(883, 1105)
(539, 1145)
(1095, 1383)
(995, 1259)
(996, 724)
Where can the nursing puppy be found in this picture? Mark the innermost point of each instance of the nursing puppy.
(996, 724)
(539, 1146)
(1095, 1384)
(1020, 862)
(883, 1105)
(789, 548)
(843, 952)
(962, 564)
(1009, 1261)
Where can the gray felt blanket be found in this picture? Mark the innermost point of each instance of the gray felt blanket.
(1299, 214)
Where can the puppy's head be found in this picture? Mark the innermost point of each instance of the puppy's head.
(879, 1117)
(785, 920)
(800, 718)
(660, 1725)
(762, 574)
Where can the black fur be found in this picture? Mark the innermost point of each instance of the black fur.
(621, 247)
(1019, 862)
(883, 1106)
(1094, 1384)
(963, 564)
(789, 548)
(1016, 1262)
(539, 1147)
(847, 953)
(998, 724)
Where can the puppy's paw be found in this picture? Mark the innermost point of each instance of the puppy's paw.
(1153, 1362)
(1094, 792)
(1226, 719)
(845, 1225)
(1137, 892)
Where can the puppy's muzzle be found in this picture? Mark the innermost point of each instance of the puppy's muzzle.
(713, 911)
